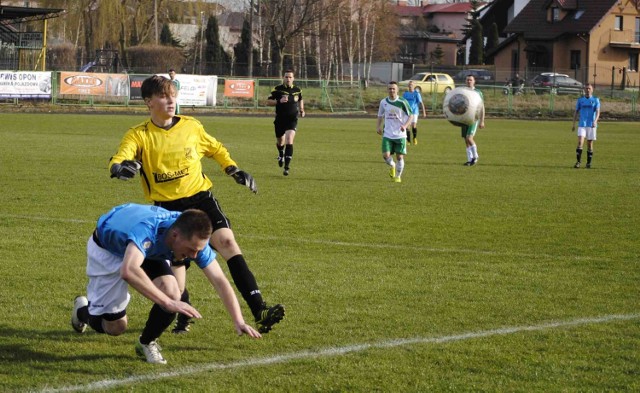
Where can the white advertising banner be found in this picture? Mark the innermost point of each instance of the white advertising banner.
(25, 84)
(196, 90)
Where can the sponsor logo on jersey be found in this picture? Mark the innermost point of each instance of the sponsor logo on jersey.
(146, 244)
(169, 176)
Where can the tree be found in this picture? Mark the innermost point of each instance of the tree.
(492, 39)
(101, 24)
(287, 19)
(215, 56)
(166, 37)
(473, 29)
(477, 51)
(242, 49)
(437, 55)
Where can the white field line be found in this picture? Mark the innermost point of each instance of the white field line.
(356, 244)
(336, 351)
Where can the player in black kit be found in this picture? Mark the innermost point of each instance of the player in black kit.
(287, 98)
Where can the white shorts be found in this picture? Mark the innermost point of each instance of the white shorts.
(107, 292)
(414, 119)
(587, 132)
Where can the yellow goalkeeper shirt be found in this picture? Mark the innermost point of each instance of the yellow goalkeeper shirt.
(171, 166)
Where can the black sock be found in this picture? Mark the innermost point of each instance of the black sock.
(589, 156)
(83, 314)
(185, 298)
(408, 135)
(578, 154)
(159, 320)
(95, 321)
(288, 155)
(245, 282)
(280, 150)
(415, 132)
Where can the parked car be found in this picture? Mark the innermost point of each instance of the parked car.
(427, 82)
(481, 75)
(554, 83)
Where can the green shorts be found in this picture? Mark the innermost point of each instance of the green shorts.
(394, 146)
(466, 131)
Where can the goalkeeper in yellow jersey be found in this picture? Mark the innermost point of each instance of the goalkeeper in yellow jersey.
(166, 150)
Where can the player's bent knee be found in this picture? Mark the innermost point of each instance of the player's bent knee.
(112, 324)
(115, 328)
(169, 286)
(223, 240)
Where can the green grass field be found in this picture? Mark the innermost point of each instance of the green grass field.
(519, 274)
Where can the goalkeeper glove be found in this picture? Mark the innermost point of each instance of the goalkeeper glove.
(125, 170)
(242, 178)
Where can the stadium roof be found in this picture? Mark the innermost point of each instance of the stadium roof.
(15, 15)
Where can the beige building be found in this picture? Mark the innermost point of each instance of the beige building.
(592, 41)
(428, 29)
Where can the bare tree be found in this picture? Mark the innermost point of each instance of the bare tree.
(287, 19)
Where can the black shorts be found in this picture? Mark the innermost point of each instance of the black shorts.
(204, 201)
(155, 268)
(284, 124)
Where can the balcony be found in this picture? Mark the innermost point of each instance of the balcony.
(624, 39)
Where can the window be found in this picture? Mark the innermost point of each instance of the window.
(555, 14)
(618, 23)
(633, 61)
(637, 29)
(575, 59)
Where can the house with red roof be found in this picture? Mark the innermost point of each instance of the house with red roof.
(596, 41)
(426, 27)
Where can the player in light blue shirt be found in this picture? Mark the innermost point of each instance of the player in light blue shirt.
(588, 113)
(133, 245)
(414, 98)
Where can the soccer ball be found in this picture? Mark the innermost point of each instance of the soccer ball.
(462, 106)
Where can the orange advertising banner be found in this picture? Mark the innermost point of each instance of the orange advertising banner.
(238, 88)
(86, 83)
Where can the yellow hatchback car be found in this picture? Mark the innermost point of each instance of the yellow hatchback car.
(428, 82)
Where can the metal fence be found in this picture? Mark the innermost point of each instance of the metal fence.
(335, 96)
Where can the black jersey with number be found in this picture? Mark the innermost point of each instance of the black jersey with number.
(286, 109)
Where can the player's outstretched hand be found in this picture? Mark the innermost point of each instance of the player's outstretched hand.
(242, 178)
(126, 170)
(248, 330)
(183, 308)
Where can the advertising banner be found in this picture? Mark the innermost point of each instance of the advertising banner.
(135, 83)
(196, 90)
(94, 84)
(25, 84)
(238, 88)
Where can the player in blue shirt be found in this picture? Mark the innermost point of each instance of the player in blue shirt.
(588, 111)
(414, 98)
(135, 245)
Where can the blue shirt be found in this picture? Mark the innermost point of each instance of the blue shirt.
(146, 226)
(587, 108)
(413, 98)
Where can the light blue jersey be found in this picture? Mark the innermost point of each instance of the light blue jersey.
(413, 98)
(146, 226)
(587, 107)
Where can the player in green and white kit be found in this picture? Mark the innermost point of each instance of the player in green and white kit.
(468, 132)
(395, 113)
(176, 83)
